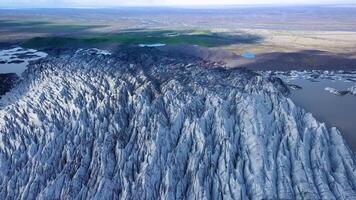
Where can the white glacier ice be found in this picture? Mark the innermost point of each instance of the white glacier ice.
(152, 45)
(332, 90)
(84, 126)
(352, 90)
(15, 60)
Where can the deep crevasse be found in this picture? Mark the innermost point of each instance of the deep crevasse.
(115, 127)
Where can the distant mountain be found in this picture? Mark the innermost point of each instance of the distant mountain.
(142, 124)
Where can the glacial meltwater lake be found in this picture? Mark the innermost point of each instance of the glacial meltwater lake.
(334, 110)
(248, 55)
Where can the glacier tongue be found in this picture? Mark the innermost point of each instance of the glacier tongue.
(139, 124)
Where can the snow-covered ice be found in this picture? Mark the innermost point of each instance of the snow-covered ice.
(84, 126)
(332, 90)
(152, 45)
(16, 59)
(94, 51)
(352, 90)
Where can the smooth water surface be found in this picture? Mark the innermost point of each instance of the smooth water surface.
(248, 55)
(336, 111)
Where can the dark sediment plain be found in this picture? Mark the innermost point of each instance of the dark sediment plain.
(303, 60)
(141, 123)
(274, 61)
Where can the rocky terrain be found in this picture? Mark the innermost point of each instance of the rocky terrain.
(142, 124)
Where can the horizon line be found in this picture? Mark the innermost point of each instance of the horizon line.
(184, 6)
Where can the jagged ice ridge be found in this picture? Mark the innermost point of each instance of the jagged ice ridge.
(144, 125)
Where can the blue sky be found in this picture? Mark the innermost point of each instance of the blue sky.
(108, 3)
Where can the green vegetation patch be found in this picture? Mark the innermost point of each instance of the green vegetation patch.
(39, 26)
(57, 42)
(207, 39)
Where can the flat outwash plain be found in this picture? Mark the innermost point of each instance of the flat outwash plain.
(317, 35)
(178, 103)
(269, 32)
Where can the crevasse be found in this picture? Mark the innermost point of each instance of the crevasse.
(140, 124)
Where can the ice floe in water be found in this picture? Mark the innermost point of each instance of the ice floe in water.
(152, 45)
(352, 90)
(16, 59)
(342, 79)
(335, 91)
(329, 95)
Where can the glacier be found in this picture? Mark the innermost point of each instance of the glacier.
(16, 59)
(143, 124)
(352, 90)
